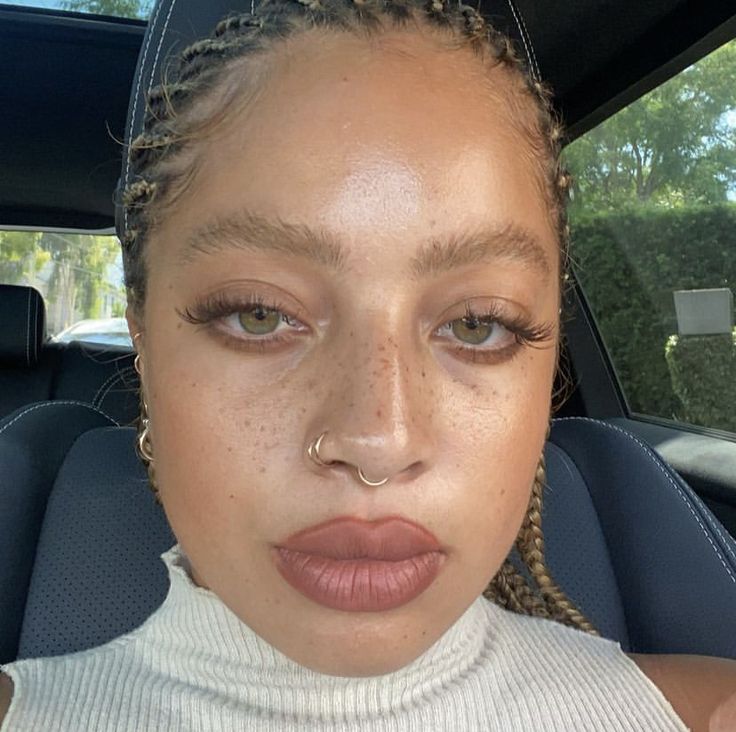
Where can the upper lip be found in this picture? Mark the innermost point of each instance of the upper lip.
(392, 538)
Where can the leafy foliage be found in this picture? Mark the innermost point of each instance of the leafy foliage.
(20, 257)
(653, 211)
(118, 8)
(676, 146)
(703, 370)
(629, 263)
(75, 267)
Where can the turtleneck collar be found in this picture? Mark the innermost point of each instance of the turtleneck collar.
(206, 640)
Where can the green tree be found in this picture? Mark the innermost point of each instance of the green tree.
(20, 256)
(674, 146)
(80, 274)
(119, 8)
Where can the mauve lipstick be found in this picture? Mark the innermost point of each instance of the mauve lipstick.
(361, 566)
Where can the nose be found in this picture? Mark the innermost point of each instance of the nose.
(379, 415)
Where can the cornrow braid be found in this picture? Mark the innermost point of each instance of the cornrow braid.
(169, 122)
(161, 165)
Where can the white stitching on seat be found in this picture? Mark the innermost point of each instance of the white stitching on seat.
(113, 377)
(526, 39)
(56, 404)
(28, 331)
(135, 102)
(35, 331)
(660, 464)
(160, 43)
(121, 375)
(686, 499)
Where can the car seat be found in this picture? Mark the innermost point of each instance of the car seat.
(80, 564)
(34, 369)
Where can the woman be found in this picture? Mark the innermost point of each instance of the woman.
(345, 245)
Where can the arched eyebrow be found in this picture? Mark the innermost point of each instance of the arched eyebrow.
(250, 232)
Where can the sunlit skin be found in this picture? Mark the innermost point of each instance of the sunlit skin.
(383, 153)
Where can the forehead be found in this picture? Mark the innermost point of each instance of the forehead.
(390, 135)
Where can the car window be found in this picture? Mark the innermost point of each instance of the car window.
(80, 277)
(653, 228)
(119, 8)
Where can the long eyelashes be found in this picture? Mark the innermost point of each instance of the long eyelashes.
(219, 305)
(519, 331)
(525, 330)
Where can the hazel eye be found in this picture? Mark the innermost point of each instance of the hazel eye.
(259, 320)
(475, 331)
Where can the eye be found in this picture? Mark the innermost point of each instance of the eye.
(493, 335)
(259, 320)
(475, 331)
(249, 323)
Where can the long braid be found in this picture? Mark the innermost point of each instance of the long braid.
(531, 548)
(171, 121)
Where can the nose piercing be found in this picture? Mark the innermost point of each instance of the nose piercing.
(313, 452)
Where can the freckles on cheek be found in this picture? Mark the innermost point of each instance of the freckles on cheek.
(505, 421)
(218, 437)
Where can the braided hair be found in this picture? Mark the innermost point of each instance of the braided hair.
(162, 160)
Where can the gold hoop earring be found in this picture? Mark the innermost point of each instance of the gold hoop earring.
(144, 441)
(137, 363)
(145, 449)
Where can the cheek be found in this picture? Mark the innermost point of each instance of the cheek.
(496, 438)
(217, 438)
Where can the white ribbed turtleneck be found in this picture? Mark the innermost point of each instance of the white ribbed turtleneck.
(194, 665)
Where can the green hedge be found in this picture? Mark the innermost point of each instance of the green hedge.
(703, 371)
(629, 263)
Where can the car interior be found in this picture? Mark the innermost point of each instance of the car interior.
(640, 510)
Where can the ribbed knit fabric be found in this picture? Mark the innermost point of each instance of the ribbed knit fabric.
(193, 665)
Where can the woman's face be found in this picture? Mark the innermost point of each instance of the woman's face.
(371, 194)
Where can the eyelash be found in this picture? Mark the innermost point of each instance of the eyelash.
(218, 306)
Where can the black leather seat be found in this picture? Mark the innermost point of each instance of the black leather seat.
(80, 564)
(32, 369)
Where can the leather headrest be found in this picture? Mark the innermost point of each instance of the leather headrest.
(175, 24)
(23, 329)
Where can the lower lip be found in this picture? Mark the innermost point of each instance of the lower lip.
(358, 585)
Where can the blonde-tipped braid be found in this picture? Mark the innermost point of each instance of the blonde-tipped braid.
(510, 589)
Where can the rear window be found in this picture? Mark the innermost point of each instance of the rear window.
(139, 9)
(80, 277)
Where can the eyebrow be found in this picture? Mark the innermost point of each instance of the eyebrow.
(253, 233)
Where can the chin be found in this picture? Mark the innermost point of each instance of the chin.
(366, 644)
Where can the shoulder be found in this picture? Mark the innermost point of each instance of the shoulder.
(6, 694)
(701, 689)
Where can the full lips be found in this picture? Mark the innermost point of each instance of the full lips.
(361, 566)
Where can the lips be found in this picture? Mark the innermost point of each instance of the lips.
(361, 566)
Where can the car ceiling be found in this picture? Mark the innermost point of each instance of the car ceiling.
(66, 78)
